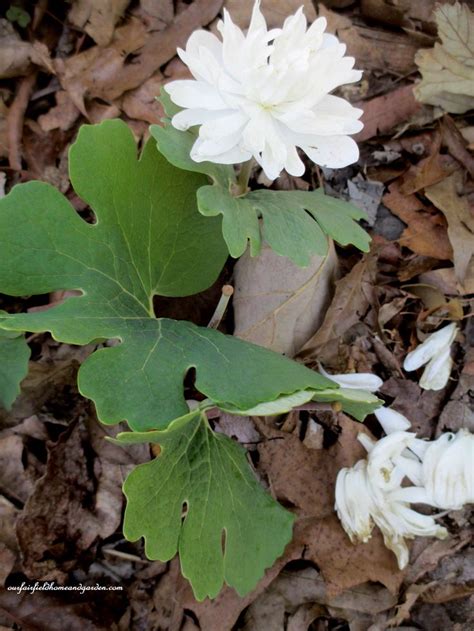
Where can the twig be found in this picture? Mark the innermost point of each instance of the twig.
(227, 291)
(15, 118)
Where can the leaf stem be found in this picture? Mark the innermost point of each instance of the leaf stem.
(227, 291)
(243, 177)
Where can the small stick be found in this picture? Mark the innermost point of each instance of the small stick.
(15, 118)
(227, 291)
(124, 555)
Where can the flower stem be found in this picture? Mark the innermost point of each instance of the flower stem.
(227, 291)
(243, 177)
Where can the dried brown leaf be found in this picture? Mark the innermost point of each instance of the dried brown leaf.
(384, 113)
(278, 304)
(430, 170)
(141, 103)
(13, 481)
(62, 116)
(448, 68)
(107, 73)
(97, 19)
(444, 196)
(15, 54)
(304, 588)
(458, 411)
(422, 407)
(426, 231)
(77, 501)
(353, 296)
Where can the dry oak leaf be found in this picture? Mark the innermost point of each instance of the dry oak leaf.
(98, 19)
(426, 231)
(353, 296)
(448, 68)
(460, 226)
(306, 478)
(278, 304)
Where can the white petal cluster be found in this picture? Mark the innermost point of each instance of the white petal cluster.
(447, 471)
(366, 496)
(265, 93)
(435, 352)
(371, 493)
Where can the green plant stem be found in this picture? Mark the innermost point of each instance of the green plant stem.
(244, 176)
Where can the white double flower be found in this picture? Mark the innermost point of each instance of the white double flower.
(265, 93)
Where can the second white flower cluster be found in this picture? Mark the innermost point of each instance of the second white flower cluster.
(371, 494)
(401, 469)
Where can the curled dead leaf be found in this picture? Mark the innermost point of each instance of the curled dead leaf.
(278, 304)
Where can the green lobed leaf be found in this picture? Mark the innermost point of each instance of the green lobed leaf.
(176, 146)
(232, 530)
(148, 239)
(357, 403)
(14, 356)
(294, 223)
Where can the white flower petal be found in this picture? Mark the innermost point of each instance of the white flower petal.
(185, 119)
(382, 467)
(391, 420)
(195, 94)
(410, 468)
(354, 505)
(294, 165)
(437, 371)
(367, 442)
(231, 156)
(333, 152)
(257, 22)
(434, 343)
(357, 380)
(448, 470)
(203, 56)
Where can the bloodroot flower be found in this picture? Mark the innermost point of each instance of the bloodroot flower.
(266, 93)
(435, 352)
(370, 494)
